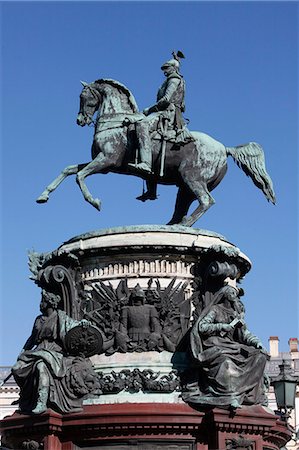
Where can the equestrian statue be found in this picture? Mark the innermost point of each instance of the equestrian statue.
(157, 146)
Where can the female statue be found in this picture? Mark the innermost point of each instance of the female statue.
(46, 374)
(231, 360)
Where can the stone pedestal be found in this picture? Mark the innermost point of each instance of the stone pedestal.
(149, 426)
(141, 405)
(160, 259)
(145, 252)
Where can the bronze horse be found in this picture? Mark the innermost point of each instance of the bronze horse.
(196, 167)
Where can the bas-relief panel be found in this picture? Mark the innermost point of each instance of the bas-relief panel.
(141, 446)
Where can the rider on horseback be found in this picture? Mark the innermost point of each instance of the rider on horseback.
(197, 168)
(165, 116)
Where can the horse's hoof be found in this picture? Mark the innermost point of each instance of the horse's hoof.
(185, 222)
(42, 198)
(97, 204)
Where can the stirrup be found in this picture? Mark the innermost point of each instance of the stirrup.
(146, 196)
(143, 167)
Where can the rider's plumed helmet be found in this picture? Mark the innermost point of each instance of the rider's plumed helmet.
(137, 293)
(174, 62)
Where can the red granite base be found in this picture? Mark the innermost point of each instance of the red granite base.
(152, 426)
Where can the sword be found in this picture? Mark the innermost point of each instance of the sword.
(163, 149)
(5, 379)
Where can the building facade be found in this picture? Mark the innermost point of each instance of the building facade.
(9, 393)
(272, 370)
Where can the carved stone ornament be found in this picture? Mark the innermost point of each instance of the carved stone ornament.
(58, 272)
(239, 443)
(29, 444)
(155, 319)
(136, 380)
(137, 444)
(85, 342)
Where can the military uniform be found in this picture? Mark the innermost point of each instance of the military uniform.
(170, 100)
(164, 119)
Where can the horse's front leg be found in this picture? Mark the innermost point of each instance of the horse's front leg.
(97, 165)
(110, 149)
(69, 170)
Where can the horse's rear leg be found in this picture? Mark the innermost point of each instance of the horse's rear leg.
(69, 170)
(183, 201)
(204, 198)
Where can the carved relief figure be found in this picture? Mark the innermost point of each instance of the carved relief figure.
(230, 359)
(46, 374)
(140, 327)
(154, 319)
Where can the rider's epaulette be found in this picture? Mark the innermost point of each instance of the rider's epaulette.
(175, 75)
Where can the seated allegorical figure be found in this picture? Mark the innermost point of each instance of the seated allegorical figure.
(230, 359)
(47, 375)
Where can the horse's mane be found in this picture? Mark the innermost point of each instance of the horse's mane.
(122, 88)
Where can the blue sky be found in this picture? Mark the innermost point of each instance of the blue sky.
(241, 71)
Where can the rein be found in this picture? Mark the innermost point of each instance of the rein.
(111, 120)
(118, 117)
(117, 120)
(96, 94)
(93, 91)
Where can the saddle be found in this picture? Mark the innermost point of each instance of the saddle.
(172, 128)
(176, 137)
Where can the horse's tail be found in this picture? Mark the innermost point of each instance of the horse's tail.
(250, 157)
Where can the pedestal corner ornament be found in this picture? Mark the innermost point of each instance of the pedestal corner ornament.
(142, 340)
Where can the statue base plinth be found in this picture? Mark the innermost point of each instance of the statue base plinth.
(148, 426)
(144, 364)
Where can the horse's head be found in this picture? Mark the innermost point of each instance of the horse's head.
(89, 103)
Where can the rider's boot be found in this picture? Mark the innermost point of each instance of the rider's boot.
(145, 152)
(150, 194)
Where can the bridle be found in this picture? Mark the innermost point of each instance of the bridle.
(95, 94)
